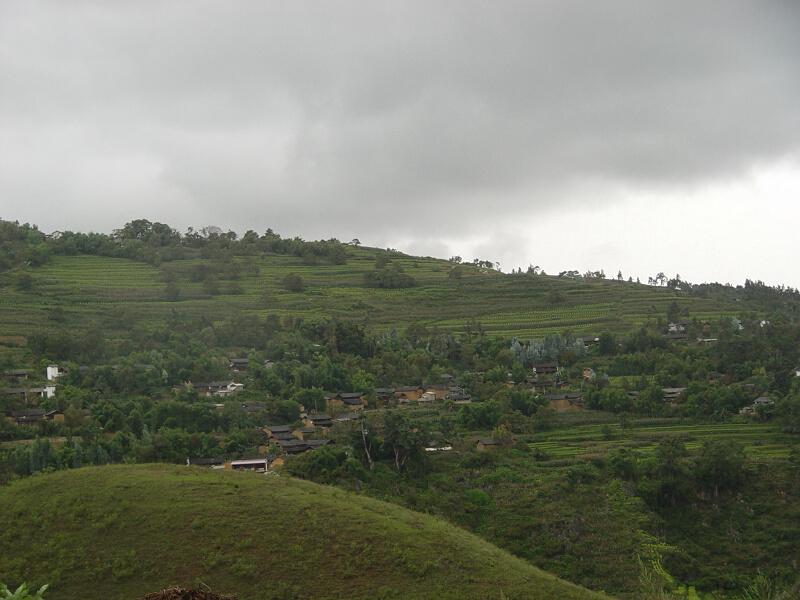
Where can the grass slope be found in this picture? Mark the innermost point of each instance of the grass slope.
(122, 531)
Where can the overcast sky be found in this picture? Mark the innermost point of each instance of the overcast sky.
(633, 135)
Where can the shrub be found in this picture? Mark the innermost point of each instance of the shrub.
(293, 283)
(21, 593)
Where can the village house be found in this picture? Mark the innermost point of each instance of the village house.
(589, 342)
(36, 415)
(485, 444)
(53, 372)
(318, 421)
(47, 391)
(28, 416)
(303, 433)
(427, 397)
(760, 403)
(333, 403)
(58, 415)
(677, 327)
(16, 375)
(272, 430)
(218, 388)
(673, 395)
(347, 417)
(384, 395)
(293, 446)
(345, 400)
(545, 368)
(354, 400)
(567, 402)
(252, 408)
(458, 395)
(439, 390)
(18, 393)
(238, 364)
(211, 463)
(260, 464)
(313, 444)
(282, 436)
(408, 393)
(544, 376)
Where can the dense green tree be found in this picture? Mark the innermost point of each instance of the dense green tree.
(788, 411)
(607, 344)
(293, 283)
(720, 465)
(525, 402)
(404, 440)
(24, 282)
(671, 475)
(480, 415)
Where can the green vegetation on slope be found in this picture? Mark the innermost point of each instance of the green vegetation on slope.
(76, 294)
(586, 501)
(123, 531)
(144, 273)
(133, 317)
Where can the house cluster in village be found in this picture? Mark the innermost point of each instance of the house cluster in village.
(547, 379)
(26, 389)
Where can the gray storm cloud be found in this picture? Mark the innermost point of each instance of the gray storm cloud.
(356, 118)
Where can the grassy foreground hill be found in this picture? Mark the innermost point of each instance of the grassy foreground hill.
(119, 532)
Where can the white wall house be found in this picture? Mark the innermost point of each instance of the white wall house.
(54, 372)
(47, 391)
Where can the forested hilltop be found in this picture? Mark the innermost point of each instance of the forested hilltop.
(640, 439)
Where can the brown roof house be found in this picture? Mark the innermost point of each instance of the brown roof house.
(439, 390)
(486, 444)
(318, 421)
(239, 364)
(408, 393)
(346, 400)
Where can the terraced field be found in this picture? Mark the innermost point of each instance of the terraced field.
(92, 291)
(762, 442)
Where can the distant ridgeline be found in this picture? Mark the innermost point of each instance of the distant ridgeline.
(153, 243)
